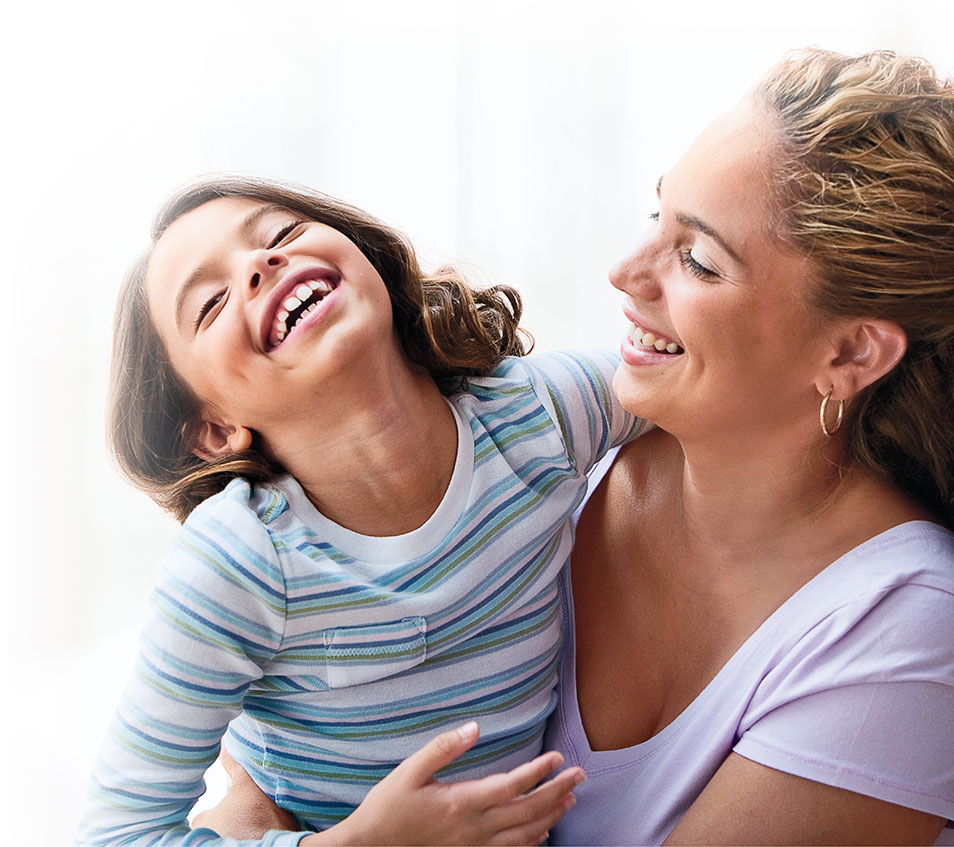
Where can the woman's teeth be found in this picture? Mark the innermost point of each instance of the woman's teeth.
(308, 291)
(648, 339)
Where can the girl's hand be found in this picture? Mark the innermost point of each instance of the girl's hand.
(409, 806)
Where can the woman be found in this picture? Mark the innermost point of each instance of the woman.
(765, 581)
(763, 586)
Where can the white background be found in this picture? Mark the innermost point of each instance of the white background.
(523, 139)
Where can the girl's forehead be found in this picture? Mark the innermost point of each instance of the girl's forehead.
(193, 236)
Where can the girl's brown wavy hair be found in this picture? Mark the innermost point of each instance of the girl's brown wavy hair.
(450, 329)
(864, 178)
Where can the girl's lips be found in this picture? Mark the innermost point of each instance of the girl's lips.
(286, 289)
(308, 319)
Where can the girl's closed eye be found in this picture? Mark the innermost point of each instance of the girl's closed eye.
(206, 307)
(283, 233)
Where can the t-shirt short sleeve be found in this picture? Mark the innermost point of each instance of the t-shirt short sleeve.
(865, 700)
(576, 388)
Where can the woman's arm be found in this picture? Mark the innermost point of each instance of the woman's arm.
(410, 806)
(749, 803)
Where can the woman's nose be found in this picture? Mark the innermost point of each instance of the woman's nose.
(262, 265)
(636, 275)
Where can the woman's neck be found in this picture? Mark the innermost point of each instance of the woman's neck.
(792, 498)
(377, 451)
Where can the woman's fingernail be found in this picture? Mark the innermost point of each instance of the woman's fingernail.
(468, 731)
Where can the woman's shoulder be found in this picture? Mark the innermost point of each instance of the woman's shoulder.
(917, 552)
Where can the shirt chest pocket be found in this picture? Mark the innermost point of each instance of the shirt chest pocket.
(359, 654)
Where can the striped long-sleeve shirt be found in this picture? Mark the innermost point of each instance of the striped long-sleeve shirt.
(325, 657)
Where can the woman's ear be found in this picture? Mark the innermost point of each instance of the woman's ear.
(215, 440)
(865, 350)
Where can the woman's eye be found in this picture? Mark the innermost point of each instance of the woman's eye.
(207, 307)
(282, 234)
(694, 267)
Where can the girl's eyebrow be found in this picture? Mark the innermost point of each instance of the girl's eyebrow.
(201, 272)
(692, 222)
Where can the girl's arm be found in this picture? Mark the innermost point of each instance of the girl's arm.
(217, 617)
(410, 806)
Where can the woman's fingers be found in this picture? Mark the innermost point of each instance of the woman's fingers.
(439, 752)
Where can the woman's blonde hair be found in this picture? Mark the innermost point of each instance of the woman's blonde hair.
(864, 178)
(445, 326)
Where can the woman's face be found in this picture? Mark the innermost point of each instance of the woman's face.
(722, 336)
(260, 310)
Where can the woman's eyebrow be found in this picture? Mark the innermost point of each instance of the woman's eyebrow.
(201, 272)
(692, 222)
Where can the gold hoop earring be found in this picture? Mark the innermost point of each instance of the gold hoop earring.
(823, 414)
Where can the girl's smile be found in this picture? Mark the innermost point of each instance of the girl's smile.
(253, 303)
(298, 301)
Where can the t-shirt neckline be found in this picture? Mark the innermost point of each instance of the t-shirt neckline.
(395, 549)
(576, 732)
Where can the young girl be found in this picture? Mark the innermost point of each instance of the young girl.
(376, 494)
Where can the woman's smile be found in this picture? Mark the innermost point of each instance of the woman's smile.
(710, 289)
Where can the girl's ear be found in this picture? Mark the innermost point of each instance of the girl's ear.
(214, 440)
(865, 350)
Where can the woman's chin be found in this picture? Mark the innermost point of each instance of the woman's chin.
(636, 396)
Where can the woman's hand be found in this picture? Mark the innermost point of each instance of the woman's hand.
(245, 812)
(409, 806)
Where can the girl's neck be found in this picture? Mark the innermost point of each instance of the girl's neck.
(378, 451)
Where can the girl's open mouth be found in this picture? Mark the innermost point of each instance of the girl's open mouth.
(300, 302)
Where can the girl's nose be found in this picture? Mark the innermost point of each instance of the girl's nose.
(262, 265)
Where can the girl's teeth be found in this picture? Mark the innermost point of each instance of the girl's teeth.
(660, 345)
(302, 293)
(672, 347)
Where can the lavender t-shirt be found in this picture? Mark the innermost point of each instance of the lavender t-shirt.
(849, 683)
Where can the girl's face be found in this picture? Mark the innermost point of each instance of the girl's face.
(261, 311)
(722, 336)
